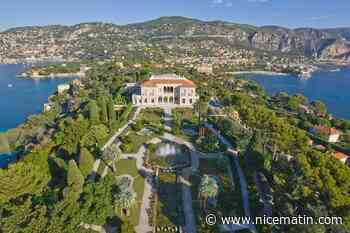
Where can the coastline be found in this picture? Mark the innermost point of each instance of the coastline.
(52, 76)
(259, 72)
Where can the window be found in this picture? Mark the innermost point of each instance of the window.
(160, 100)
(184, 101)
(146, 100)
(152, 101)
(190, 101)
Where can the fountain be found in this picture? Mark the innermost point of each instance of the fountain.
(167, 149)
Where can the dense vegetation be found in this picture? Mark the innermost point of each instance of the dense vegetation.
(48, 189)
(302, 181)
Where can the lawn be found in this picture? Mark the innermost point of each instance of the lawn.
(133, 141)
(151, 116)
(128, 166)
(186, 114)
(169, 205)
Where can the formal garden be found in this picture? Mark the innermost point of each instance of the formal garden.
(169, 209)
(168, 154)
(213, 191)
(148, 125)
(128, 196)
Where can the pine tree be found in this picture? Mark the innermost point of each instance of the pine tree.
(86, 161)
(93, 112)
(28, 176)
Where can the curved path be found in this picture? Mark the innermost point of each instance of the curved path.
(242, 180)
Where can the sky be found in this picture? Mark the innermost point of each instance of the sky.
(288, 13)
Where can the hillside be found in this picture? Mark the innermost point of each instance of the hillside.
(101, 40)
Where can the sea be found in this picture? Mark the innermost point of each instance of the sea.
(22, 97)
(329, 84)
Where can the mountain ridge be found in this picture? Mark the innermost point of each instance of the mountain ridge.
(328, 43)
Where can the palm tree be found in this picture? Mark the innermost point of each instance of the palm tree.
(124, 200)
(208, 188)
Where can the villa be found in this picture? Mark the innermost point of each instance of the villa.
(343, 158)
(165, 90)
(332, 135)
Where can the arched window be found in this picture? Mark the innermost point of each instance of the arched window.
(165, 99)
(160, 100)
(171, 100)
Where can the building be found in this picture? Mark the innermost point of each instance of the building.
(62, 88)
(165, 90)
(47, 107)
(331, 134)
(205, 69)
(343, 158)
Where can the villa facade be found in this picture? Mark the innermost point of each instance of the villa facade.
(165, 90)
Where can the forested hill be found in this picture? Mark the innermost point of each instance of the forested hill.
(95, 40)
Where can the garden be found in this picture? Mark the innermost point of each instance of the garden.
(130, 190)
(168, 154)
(148, 126)
(169, 202)
(213, 192)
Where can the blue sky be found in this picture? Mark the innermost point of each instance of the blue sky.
(290, 13)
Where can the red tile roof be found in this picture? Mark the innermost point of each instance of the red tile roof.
(182, 82)
(326, 130)
(340, 155)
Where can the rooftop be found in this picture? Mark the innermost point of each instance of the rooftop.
(326, 130)
(340, 155)
(168, 79)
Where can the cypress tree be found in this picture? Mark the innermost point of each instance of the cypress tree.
(93, 112)
(75, 179)
(103, 107)
(111, 113)
(86, 161)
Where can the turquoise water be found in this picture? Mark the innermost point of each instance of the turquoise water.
(20, 97)
(6, 158)
(333, 88)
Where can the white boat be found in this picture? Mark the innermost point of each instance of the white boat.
(10, 85)
(335, 70)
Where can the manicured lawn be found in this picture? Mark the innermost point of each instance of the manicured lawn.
(128, 166)
(133, 141)
(151, 115)
(186, 114)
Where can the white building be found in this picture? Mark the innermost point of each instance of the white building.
(165, 90)
(62, 88)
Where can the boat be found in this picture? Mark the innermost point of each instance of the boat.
(10, 85)
(305, 74)
(335, 70)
